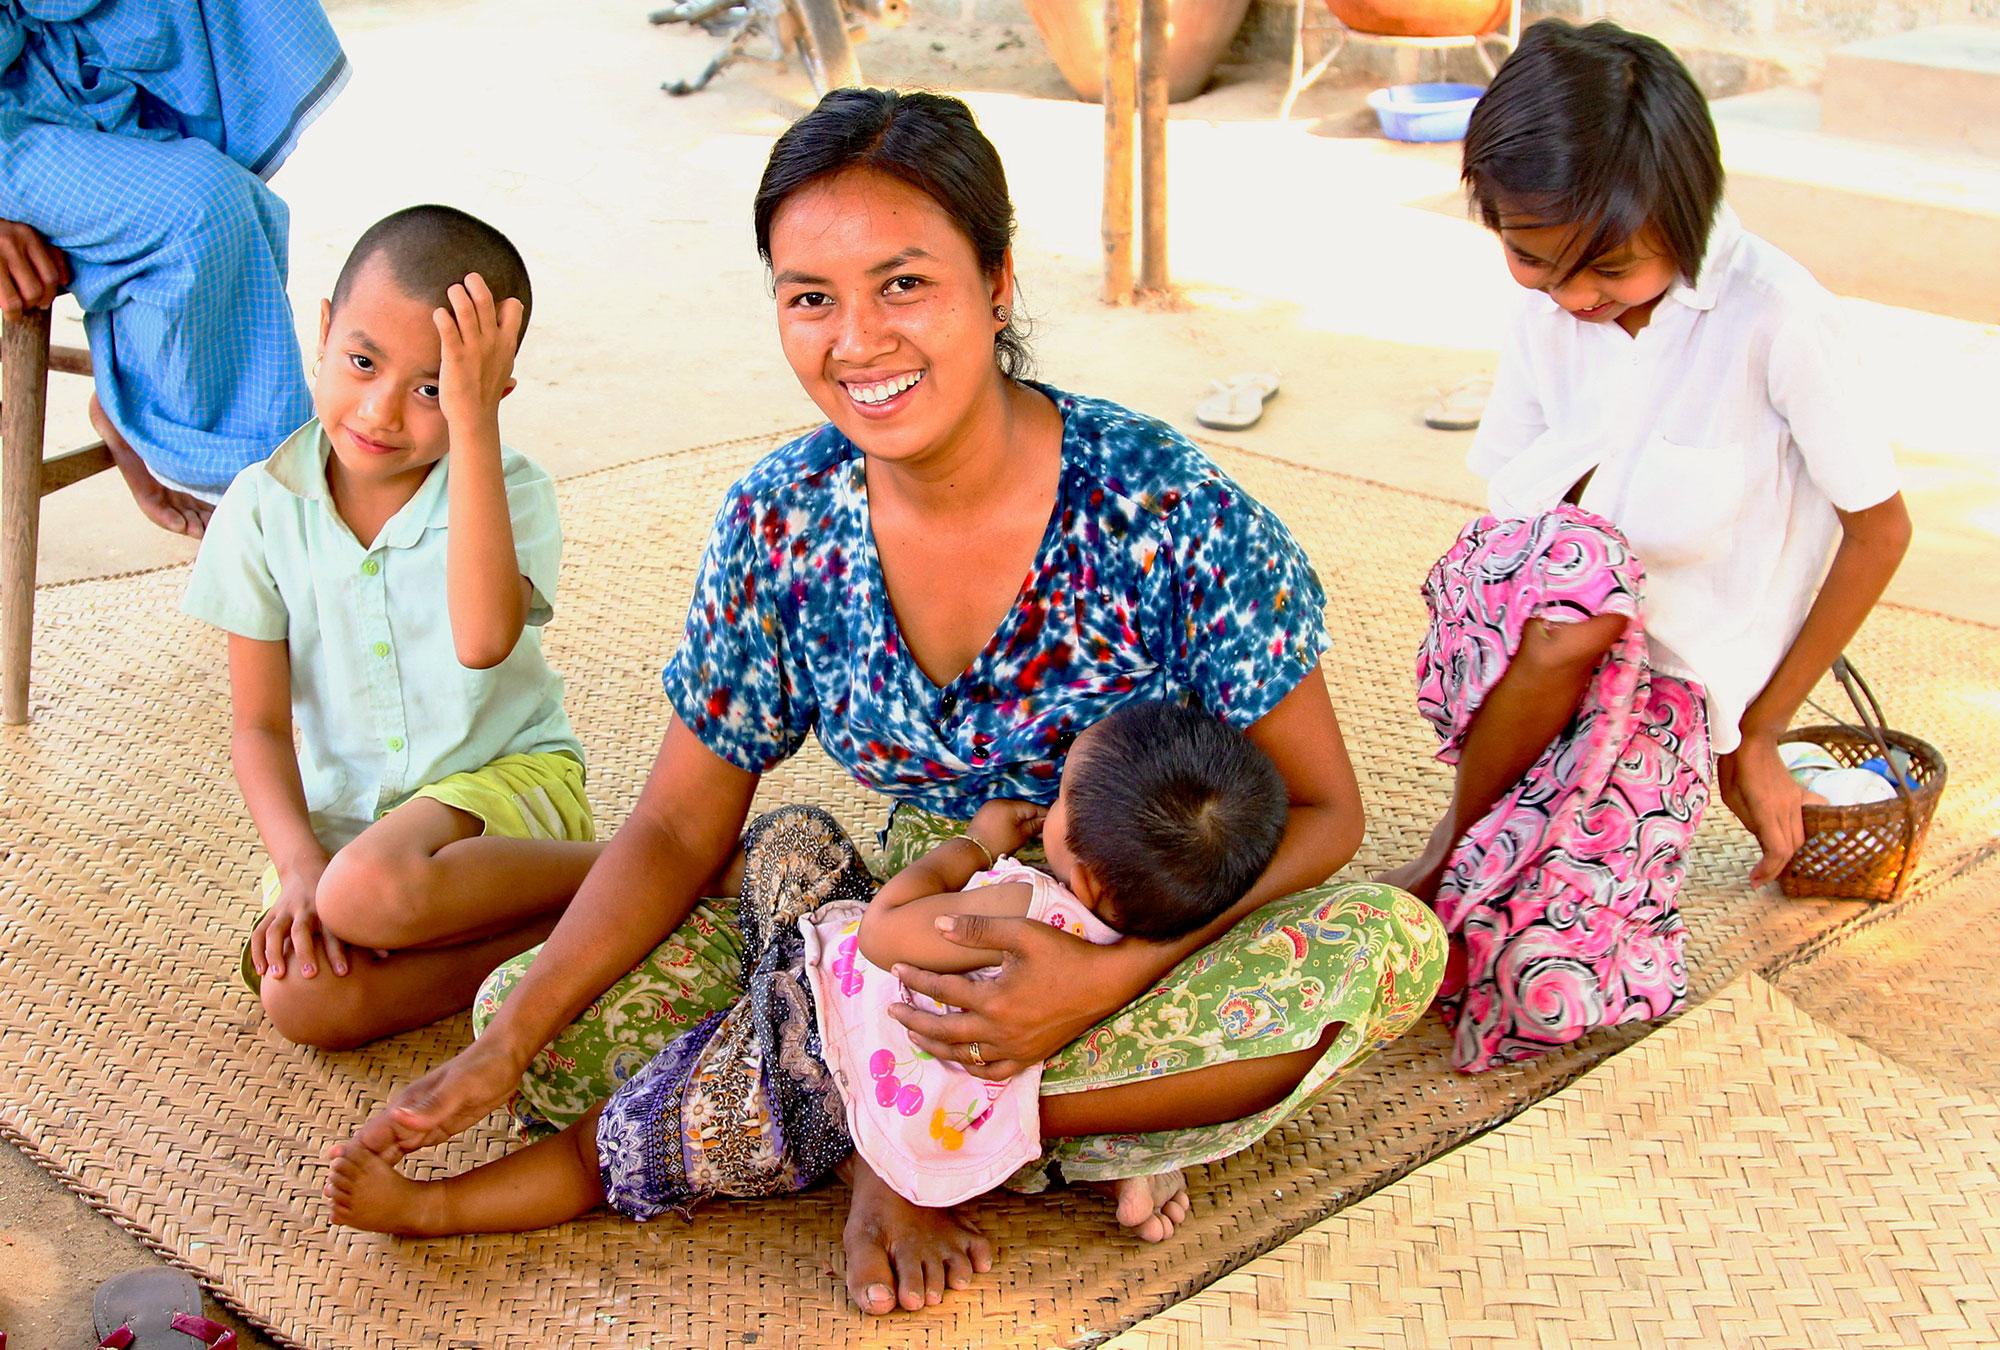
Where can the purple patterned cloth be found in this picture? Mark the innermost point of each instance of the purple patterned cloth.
(1560, 901)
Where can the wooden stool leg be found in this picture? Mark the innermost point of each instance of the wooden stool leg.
(24, 363)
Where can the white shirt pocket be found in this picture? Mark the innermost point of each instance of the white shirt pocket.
(1682, 503)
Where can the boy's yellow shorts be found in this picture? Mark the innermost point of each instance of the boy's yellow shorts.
(533, 796)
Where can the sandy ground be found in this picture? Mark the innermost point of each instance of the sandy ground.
(1313, 248)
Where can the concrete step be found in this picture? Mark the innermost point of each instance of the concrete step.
(1929, 86)
(1919, 228)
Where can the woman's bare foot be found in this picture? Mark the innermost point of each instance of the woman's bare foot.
(174, 512)
(1151, 1207)
(369, 1193)
(900, 1253)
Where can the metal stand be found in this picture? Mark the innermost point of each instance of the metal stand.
(1303, 78)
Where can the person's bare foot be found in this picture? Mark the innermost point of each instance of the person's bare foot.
(1150, 1207)
(369, 1193)
(174, 512)
(903, 1254)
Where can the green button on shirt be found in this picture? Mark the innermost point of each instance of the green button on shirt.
(382, 704)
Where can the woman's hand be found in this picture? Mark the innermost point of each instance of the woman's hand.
(450, 1098)
(1051, 988)
(1760, 790)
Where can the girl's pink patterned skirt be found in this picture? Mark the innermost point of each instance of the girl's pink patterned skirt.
(1560, 901)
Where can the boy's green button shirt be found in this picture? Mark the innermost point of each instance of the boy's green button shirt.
(279, 564)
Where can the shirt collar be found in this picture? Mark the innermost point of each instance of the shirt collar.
(1722, 239)
(299, 466)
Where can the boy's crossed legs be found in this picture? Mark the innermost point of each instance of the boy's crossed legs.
(426, 903)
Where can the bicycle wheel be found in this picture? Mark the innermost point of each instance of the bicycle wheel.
(824, 48)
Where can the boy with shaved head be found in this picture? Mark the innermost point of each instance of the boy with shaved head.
(383, 577)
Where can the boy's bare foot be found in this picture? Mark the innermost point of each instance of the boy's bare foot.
(369, 1193)
(900, 1253)
(174, 512)
(1151, 1207)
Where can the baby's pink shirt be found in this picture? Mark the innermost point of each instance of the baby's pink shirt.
(933, 1131)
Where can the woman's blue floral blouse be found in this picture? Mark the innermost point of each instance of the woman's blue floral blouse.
(1157, 578)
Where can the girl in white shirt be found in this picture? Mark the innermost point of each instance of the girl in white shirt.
(1677, 439)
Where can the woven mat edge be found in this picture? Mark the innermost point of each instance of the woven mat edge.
(105, 1206)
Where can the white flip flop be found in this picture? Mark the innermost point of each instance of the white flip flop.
(1460, 407)
(1237, 402)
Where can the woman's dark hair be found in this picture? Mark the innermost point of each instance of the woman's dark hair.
(1175, 813)
(1597, 125)
(930, 142)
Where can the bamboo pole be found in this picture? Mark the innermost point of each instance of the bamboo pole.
(1153, 144)
(24, 345)
(1121, 93)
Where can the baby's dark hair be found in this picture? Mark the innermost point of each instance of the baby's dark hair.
(430, 249)
(1175, 813)
(1598, 125)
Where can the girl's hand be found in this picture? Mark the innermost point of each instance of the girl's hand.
(293, 923)
(477, 342)
(1003, 825)
(1051, 987)
(1760, 790)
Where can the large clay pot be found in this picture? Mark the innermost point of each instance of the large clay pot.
(1421, 18)
(1198, 33)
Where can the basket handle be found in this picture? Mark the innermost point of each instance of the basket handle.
(1869, 710)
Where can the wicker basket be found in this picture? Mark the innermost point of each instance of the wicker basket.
(1866, 852)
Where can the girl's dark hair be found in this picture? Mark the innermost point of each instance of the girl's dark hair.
(1599, 125)
(1176, 813)
(930, 142)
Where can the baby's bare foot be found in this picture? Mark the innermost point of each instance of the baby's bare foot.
(369, 1193)
(1151, 1207)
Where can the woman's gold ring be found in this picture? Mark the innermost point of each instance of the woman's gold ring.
(972, 1053)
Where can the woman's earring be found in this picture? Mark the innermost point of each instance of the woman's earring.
(1001, 313)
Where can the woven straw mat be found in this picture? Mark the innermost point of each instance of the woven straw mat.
(1747, 1177)
(134, 1064)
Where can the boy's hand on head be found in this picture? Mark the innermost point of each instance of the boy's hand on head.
(477, 341)
(1004, 825)
(292, 925)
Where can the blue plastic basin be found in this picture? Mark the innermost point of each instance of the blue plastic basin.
(1424, 112)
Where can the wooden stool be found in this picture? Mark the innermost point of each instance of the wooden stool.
(26, 358)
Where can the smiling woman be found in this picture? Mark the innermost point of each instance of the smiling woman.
(947, 583)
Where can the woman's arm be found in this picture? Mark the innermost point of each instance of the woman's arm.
(1754, 781)
(680, 835)
(1052, 987)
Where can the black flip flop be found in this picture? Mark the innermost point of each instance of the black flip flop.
(157, 1308)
